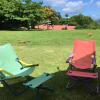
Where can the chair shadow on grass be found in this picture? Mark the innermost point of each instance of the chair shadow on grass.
(58, 82)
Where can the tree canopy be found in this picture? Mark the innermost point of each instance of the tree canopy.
(25, 12)
(81, 21)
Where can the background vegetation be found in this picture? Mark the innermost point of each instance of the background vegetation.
(15, 14)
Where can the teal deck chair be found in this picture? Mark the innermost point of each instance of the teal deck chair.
(11, 67)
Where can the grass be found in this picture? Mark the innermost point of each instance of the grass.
(50, 49)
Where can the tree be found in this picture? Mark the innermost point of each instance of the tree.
(7, 9)
(51, 15)
(24, 12)
(82, 21)
(29, 11)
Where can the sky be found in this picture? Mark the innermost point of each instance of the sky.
(73, 7)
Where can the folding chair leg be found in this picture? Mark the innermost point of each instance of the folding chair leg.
(38, 94)
(95, 90)
(71, 83)
(97, 87)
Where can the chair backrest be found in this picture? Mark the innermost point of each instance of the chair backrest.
(8, 60)
(83, 53)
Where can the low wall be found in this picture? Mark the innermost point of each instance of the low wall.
(55, 27)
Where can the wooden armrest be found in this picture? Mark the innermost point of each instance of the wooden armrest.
(8, 73)
(26, 64)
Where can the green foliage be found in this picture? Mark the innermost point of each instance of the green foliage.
(51, 15)
(81, 21)
(7, 7)
(29, 11)
(26, 12)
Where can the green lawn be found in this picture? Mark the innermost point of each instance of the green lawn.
(50, 49)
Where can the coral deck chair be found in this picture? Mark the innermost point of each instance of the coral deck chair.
(82, 63)
(11, 67)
